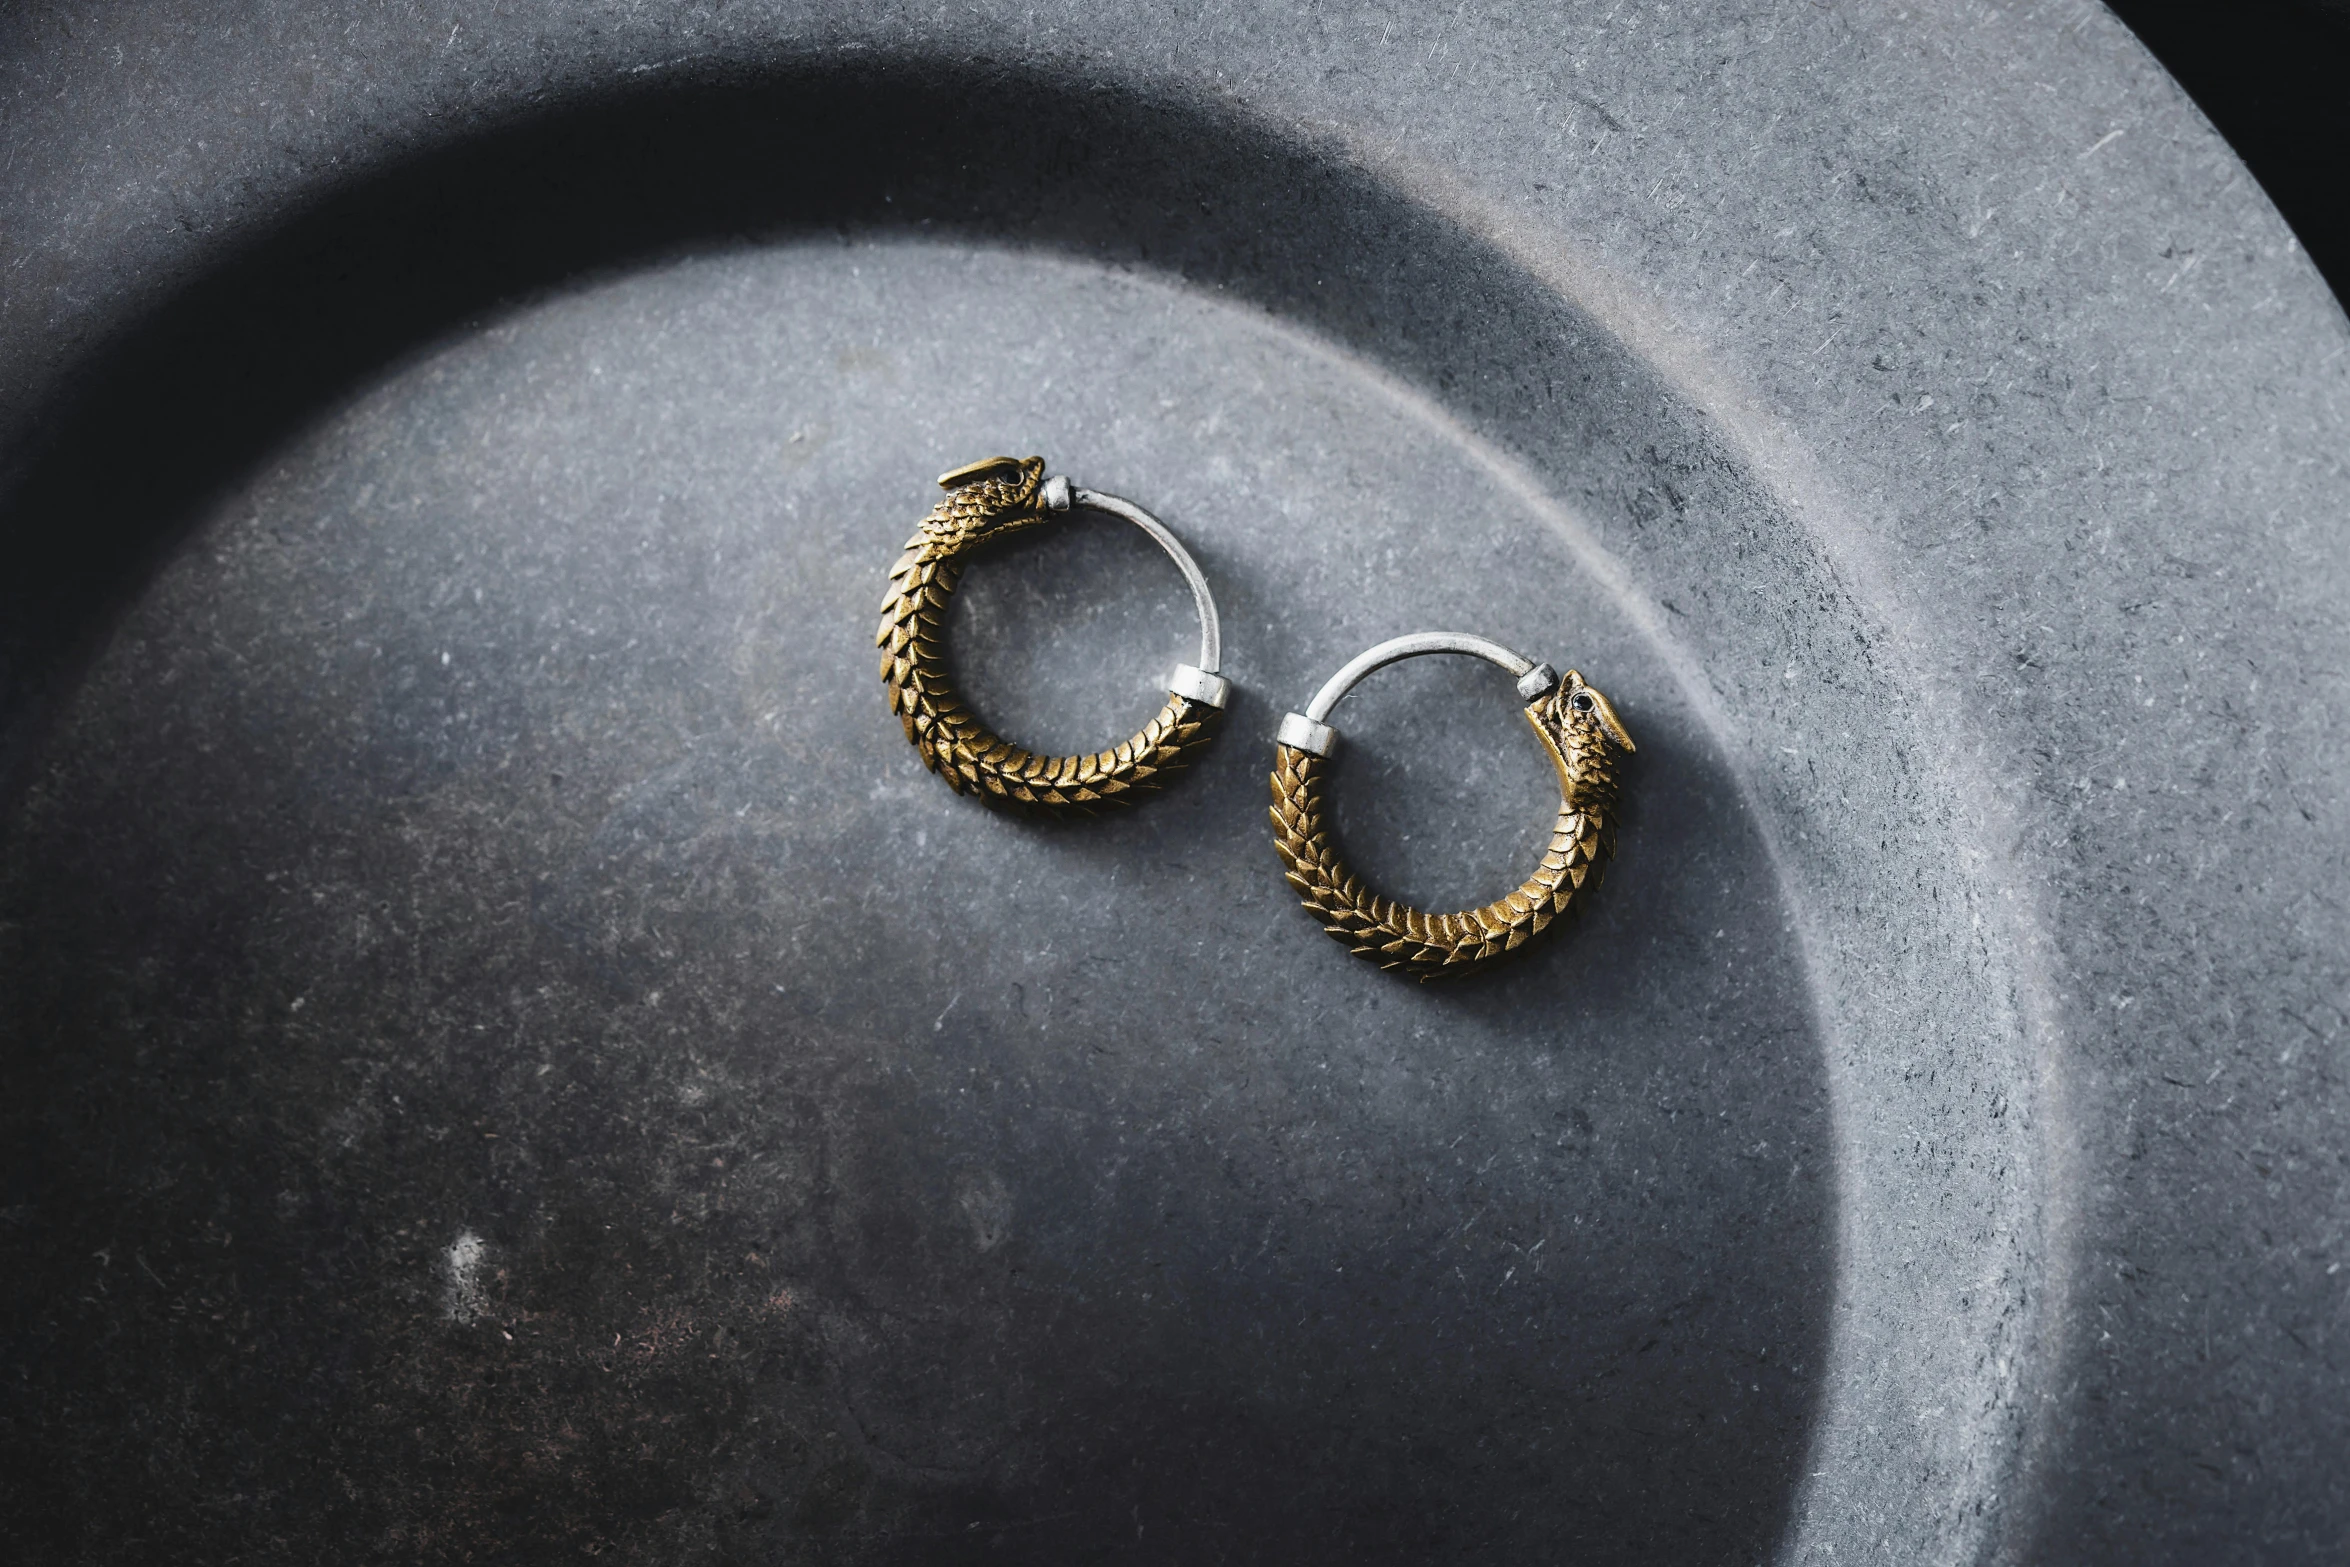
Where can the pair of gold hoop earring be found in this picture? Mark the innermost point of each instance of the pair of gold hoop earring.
(994, 499)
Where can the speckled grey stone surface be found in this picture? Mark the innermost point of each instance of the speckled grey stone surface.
(508, 1053)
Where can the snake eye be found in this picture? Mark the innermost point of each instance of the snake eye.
(1580, 701)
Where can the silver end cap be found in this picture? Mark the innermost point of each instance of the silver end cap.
(1057, 493)
(1302, 734)
(1189, 680)
(1536, 681)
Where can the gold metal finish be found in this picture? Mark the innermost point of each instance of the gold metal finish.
(1586, 742)
(987, 501)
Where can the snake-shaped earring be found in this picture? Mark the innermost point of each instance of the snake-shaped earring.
(1586, 742)
(991, 500)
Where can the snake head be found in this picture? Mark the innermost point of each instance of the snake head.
(1585, 737)
(986, 500)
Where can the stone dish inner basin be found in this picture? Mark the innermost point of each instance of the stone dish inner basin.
(605, 1092)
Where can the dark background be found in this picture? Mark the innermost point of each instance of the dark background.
(2274, 76)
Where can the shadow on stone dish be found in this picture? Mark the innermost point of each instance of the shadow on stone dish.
(561, 1219)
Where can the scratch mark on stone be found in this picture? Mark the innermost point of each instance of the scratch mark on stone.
(461, 1272)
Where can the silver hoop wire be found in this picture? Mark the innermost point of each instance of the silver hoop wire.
(1310, 730)
(1211, 634)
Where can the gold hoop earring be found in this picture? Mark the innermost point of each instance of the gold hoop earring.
(1587, 744)
(988, 501)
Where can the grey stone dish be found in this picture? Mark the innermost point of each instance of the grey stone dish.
(509, 1056)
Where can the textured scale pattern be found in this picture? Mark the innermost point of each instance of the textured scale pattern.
(987, 502)
(1586, 746)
